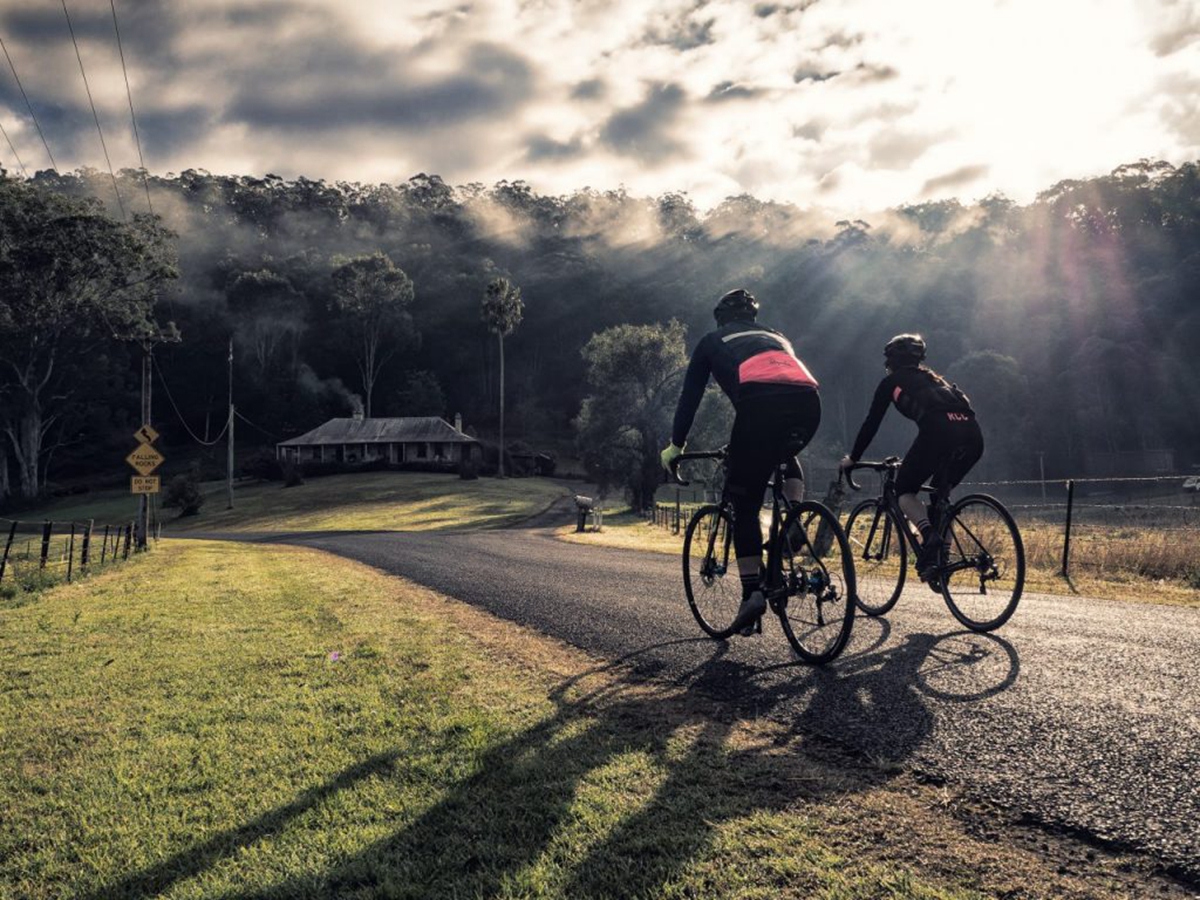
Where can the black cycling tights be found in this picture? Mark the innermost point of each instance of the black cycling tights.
(765, 430)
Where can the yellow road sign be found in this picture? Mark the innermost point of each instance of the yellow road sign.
(146, 434)
(144, 484)
(145, 459)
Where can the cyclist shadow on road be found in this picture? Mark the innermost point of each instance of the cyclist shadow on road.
(552, 806)
(875, 699)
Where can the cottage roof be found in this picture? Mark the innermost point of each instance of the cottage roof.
(381, 431)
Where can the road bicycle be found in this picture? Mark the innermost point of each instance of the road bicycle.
(809, 578)
(980, 567)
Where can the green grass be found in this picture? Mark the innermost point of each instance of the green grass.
(406, 501)
(218, 720)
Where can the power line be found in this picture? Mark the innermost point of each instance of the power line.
(258, 427)
(95, 115)
(14, 151)
(162, 379)
(129, 93)
(29, 105)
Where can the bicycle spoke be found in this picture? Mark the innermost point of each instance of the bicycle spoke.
(983, 569)
(816, 600)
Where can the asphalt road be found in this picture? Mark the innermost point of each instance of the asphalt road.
(1079, 713)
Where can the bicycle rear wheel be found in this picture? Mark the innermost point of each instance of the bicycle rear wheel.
(710, 576)
(982, 563)
(880, 556)
(813, 594)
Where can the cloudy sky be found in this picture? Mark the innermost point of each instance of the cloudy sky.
(844, 104)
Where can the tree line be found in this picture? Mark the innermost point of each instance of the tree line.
(1071, 320)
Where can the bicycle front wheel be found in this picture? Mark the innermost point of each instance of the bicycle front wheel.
(813, 593)
(982, 563)
(710, 576)
(880, 556)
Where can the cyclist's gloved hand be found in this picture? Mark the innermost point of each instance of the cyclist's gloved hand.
(668, 455)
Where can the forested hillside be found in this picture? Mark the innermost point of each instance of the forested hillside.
(1072, 322)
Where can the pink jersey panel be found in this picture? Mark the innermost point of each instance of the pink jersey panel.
(775, 367)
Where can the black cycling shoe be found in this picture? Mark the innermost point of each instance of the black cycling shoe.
(749, 618)
(927, 561)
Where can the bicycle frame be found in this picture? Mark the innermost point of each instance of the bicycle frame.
(773, 586)
(891, 501)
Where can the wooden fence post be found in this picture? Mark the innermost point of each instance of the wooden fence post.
(46, 530)
(1066, 559)
(71, 554)
(128, 539)
(12, 533)
(86, 550)
(104, 546)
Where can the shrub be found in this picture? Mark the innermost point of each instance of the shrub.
(183, 493)
(264, 466)
(468, 469)
(292, 476)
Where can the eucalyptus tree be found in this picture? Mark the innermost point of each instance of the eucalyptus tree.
(502, 310)
(634, 375)
(373, 296)
(71, 280)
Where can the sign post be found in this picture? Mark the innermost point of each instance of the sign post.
(144, 460)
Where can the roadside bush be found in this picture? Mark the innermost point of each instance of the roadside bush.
(292, 476)
(264, 466)
(183, 493)
(468, 469)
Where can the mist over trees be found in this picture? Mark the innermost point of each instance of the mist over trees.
(1071, 321)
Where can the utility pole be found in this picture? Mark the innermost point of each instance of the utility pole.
(229, 443)
(143, 519)
(159, 335)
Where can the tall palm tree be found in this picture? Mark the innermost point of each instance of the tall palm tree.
(502, 310)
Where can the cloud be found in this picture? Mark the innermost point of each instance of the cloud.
(541, 147)
(728, 90)
(340, 87)
(643, 131)
(683, 34)
(806, 73)
(891, 149)
(592, 89)
(960, 177)
(766, 10)
(1181, 29)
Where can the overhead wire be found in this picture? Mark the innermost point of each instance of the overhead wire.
(129, 93)
(95, 115)
(28, 105)
(258, 427)
(15, 154)
(163, 381)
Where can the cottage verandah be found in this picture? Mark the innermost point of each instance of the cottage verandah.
(428, 440)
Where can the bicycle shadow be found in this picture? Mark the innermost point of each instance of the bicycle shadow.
(874, 700)
(535, 794)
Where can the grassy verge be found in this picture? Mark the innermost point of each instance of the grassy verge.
(217, 720)
(1107, 566)
(403, 501)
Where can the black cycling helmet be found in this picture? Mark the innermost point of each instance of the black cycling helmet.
(904, 350)
(737, 304)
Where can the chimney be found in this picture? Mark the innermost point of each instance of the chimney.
(458, 422)
(356, 406)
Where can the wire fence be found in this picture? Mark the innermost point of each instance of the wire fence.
(1118, 527)
(39, 554)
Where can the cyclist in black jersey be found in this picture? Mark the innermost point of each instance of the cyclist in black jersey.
(948, 441)
(777, 411)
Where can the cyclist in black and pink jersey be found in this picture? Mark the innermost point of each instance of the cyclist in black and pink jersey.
(948, 442)
(777, 411)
